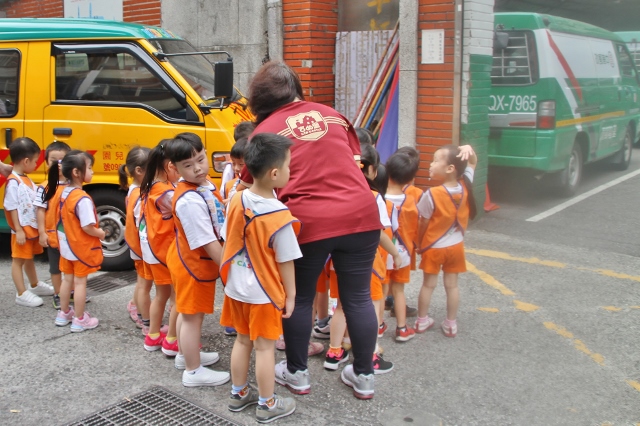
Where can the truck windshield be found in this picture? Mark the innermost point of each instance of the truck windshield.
(197, 70)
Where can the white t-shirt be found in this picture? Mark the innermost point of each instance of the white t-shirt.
(12, 198)
(382, 210)
(85, 213)
(227, 175)
(426, 207)
(242, 284)
(136, 216)
(164, 205)
(397, 201)
(40, 193)
(195, 219)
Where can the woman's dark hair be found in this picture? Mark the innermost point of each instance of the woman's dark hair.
(382, 180)
(75, 159)
(460, 166)
(265, 152)
(369, 157)
(364, 135)
(155, 162)
(401, 168)
(56, 146)
(137, 157)
(243, 130)
(238, 149)
(274, 85)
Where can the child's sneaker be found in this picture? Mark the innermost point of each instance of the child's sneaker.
(275, 408)
(422, 327)
(362, 384)
(87, 298)
(42, 289)
(298, 383)
(230, 331)
(169, 349)
(133, 311)
(206, 358)
(380, 366)
(315, 348)
(29, 300)
(411, 312)
(333, 360)
(382, 328)
(405, 334)
(86, 323)
(63, 319)
(153, 344)
(246, 397)
(450, 328)
(322, 331)
(280, 345)
(204, 377)
(56, 301)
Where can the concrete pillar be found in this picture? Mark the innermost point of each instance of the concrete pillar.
(274, 29)
(408, 83)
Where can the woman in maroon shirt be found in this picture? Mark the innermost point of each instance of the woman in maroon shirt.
(328, 193)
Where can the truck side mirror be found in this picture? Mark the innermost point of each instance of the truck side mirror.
(223, 83)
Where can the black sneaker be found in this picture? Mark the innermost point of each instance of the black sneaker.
(411, 312)
(86, 300)
(322, 332)
(56, 301)
(388, 303)
(380, 366)
(333, 361)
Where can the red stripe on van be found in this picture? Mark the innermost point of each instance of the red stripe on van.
(565, 65)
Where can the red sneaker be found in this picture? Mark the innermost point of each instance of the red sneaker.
(382, 328)
(405, 335)
(170, 349)
(153, 344)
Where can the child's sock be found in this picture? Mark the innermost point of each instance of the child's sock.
(235, 390)
(153, 335)
(263, 401)
(194, 371)
(145, 322)
(402, 328)
(171, 339)
(423, 320)
(323, 322)
(449, 323)
(335, 351)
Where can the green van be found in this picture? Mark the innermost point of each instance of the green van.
(563, 93)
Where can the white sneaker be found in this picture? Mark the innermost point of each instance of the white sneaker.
(206, 358)
(42, 289)
(29, 299)
(204, 377)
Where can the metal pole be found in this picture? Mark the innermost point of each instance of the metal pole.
(457, 72)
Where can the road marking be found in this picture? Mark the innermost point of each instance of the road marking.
(577, 343)
(634, 385)
(488, 279)
(581, 197)
(525, 307)
(491, 310)
(612, 274)
(611, 308)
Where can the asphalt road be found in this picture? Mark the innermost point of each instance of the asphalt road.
(548, 334)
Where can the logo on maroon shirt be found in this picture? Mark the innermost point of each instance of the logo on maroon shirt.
(308, 126)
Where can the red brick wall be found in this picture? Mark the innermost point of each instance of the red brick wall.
(141, 11)
(310, 35)
(435, 86)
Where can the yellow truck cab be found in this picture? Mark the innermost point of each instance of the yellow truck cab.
(105, 87)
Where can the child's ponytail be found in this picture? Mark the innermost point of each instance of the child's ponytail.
(369, 157)
(123, 178)
(52, 181)
(155, 163)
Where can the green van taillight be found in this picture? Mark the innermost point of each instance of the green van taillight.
(547, 115)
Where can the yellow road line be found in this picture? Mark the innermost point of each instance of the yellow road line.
(577, 343)
(611, 308)
(488, 279)
(525, 307)
(634, 385)
(491, 310)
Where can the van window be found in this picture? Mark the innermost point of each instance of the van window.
(517, 64)
(9, 72)
(113, 77)
(626, 64)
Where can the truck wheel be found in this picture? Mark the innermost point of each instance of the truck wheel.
(569, 178)
(621, 160)
(111, 218)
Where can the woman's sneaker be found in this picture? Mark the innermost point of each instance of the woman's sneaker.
(204, 377)
(362, 384)
(422, 327)
(206, 358)
(380, 366)
(29, 300)
(298, 383)
(63, 319)
(450, 329)
(86, 323)
(42, 289)
(275, 408)
(246, 397)
(405, 334)
(333, 360)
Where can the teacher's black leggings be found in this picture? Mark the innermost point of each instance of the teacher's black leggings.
(353, 257)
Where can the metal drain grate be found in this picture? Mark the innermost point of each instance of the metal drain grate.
(156, 406)
(110, 281)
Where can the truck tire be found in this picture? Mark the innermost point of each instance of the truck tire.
(621, 159)
(111, 211)
(569, 179)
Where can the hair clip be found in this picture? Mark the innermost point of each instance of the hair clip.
(59, 161)
(162, 147)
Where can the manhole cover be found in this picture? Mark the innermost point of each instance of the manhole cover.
(156, 406)
(105, 283)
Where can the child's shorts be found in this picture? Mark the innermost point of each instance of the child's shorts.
(54, 260)
(27, 250)
(376, 287)
(400, 276)
(76, 268)
(450, 259)
(142, 271)
(252, 320)
(159, 273)
(192, 296)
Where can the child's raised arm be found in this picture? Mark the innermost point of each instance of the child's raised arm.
(467, 153)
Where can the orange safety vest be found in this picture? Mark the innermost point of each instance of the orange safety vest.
(51, 216)
(197, 261)
(380, 261)
(86, 248)
(408, 216)
(131, 235)
(416, 193)
(254, 233)
(30, 232)
(448, 211)
(160, 230)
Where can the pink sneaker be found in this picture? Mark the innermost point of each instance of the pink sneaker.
(280, 344)
(169, 349)
(133, 311)
(422, 327)
(86, 323)
(153, 344)
(63, 319)
(315, 348)
(450, 328)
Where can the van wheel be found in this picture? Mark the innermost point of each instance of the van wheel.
(111, 217)
(621, 160)
(569, 178)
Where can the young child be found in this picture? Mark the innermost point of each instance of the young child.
(135, 166)
(336, 355)
(260, 293)
(156, 193)
(78, 236)
(237, 161)
(241, 131)
(401, 170)
(193, 258)
(19, 198)
(47, 217)
(445, 211)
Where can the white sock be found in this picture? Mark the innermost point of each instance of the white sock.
(197, 370)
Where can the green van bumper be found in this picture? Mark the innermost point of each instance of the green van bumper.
(527, 149)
